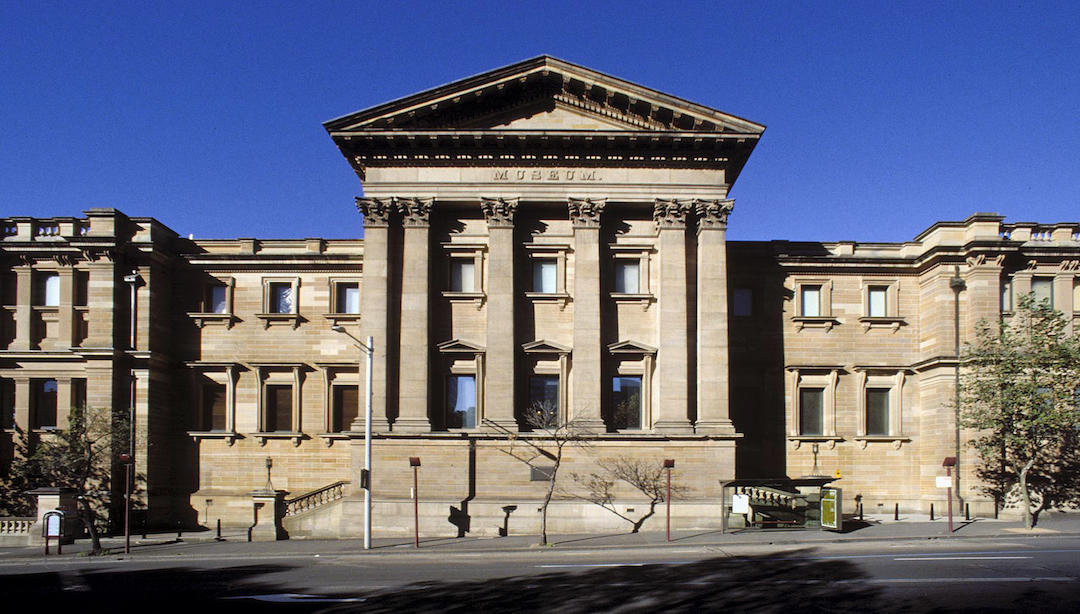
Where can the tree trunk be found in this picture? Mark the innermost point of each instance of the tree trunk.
(1029, 515)
(547, 497)
(90, 519)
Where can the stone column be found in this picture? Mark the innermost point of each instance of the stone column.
(587, 360)
(102, 300)
(374, 304)
(500, 374)
(23, 311)
(672, 416)
(414, 372)
(66, 321)
(713, 405)
(22, 402)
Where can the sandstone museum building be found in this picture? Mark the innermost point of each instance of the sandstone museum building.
(538, 237)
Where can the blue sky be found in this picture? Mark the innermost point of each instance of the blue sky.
(882, 117)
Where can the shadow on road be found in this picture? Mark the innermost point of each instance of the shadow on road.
(733, 584)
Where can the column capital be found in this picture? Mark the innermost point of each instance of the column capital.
(376, 211)
(415, 212)
(585, 212)
(713, 214)
(499, 212)
(671, 213)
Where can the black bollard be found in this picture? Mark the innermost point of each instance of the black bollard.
(860, 512)
(896, 512)
(931, 511)
(218, 530)
(179, 531)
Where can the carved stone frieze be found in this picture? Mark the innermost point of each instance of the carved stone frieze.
(414, 211)
(671, 213)
(94, 254)
(1070, 265)
(376, 211)
(585, 212)
(499, 212)
(713, 214)
(64, 259)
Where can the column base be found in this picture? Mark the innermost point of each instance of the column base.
(674, 427)
(378, 425)
(411, 425)
(715, 427)
(503, 426)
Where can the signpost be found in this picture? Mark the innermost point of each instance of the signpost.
(948, 464)
(54, 527)
(832, 516)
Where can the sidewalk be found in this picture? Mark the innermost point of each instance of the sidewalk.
(872, 528)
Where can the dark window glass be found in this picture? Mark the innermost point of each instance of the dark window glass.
(627, 276)
(877, 411)
(216, 299)
(811, 411)
(626, 401)
(348, 298)
(346, 407)
(278, 409)
(214, 407)
(461, 401)
(544, 398)
(742, 303)
(7, 403)
(8, 288)
(282, 299)
(43, 403)
(78, 393)
(82, 288)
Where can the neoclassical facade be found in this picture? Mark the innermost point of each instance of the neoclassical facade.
(541, 238)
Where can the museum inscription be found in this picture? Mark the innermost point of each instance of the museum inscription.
(561, 175)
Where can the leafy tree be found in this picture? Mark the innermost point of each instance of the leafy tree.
(1020, 387)
(646, 477)
(79, 457)
(543, 449)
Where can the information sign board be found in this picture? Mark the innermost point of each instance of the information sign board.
(740, 504)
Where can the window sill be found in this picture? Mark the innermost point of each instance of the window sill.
(224, 319)
(294, 436)
(46, 429)
(881, 322)
(278, 318)
(464, 297)
(830, 441)
(338, 318)
(634, 297)
(826, 322)
(229, 436)
(330, 438)
(896, 440)
(549, 297)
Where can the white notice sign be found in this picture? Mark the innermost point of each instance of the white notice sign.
(740, 504)
(52, 525)
(944, 481)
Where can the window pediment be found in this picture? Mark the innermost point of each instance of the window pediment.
(458, 345)
(631, 347)
(541, 346)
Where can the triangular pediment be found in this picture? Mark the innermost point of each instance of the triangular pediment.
(631, 347)
(458, 345)
(543, 93)
(541, 346)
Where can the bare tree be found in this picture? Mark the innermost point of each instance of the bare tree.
(647, 477)
(542, 448)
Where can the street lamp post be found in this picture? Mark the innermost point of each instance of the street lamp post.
(133, 280)
(365, 477)
(669, 464)
(957, 284)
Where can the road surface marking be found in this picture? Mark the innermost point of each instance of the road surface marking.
(591, 565)
(959, 580)
(961, 558)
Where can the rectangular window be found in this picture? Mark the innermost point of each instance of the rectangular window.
(543, 271)
(1042, 288)
(347, 297)
(462, 275)
(461, 402)
(1006, 296)
(810, 301)
(742, 302)
(627, 276)
(811, 411)
(282, 298)
(7, 403)
(8, 288)
(877, 411)
(279, 405)
(1076, 295)
(214, 407)
(82, 288)
(42, 403)
(876, 301)
(215, 299)
(544, 398)
(346, 407)
(46, 290)
(626, 401)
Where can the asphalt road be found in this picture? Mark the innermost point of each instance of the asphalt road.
(1006, 575)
